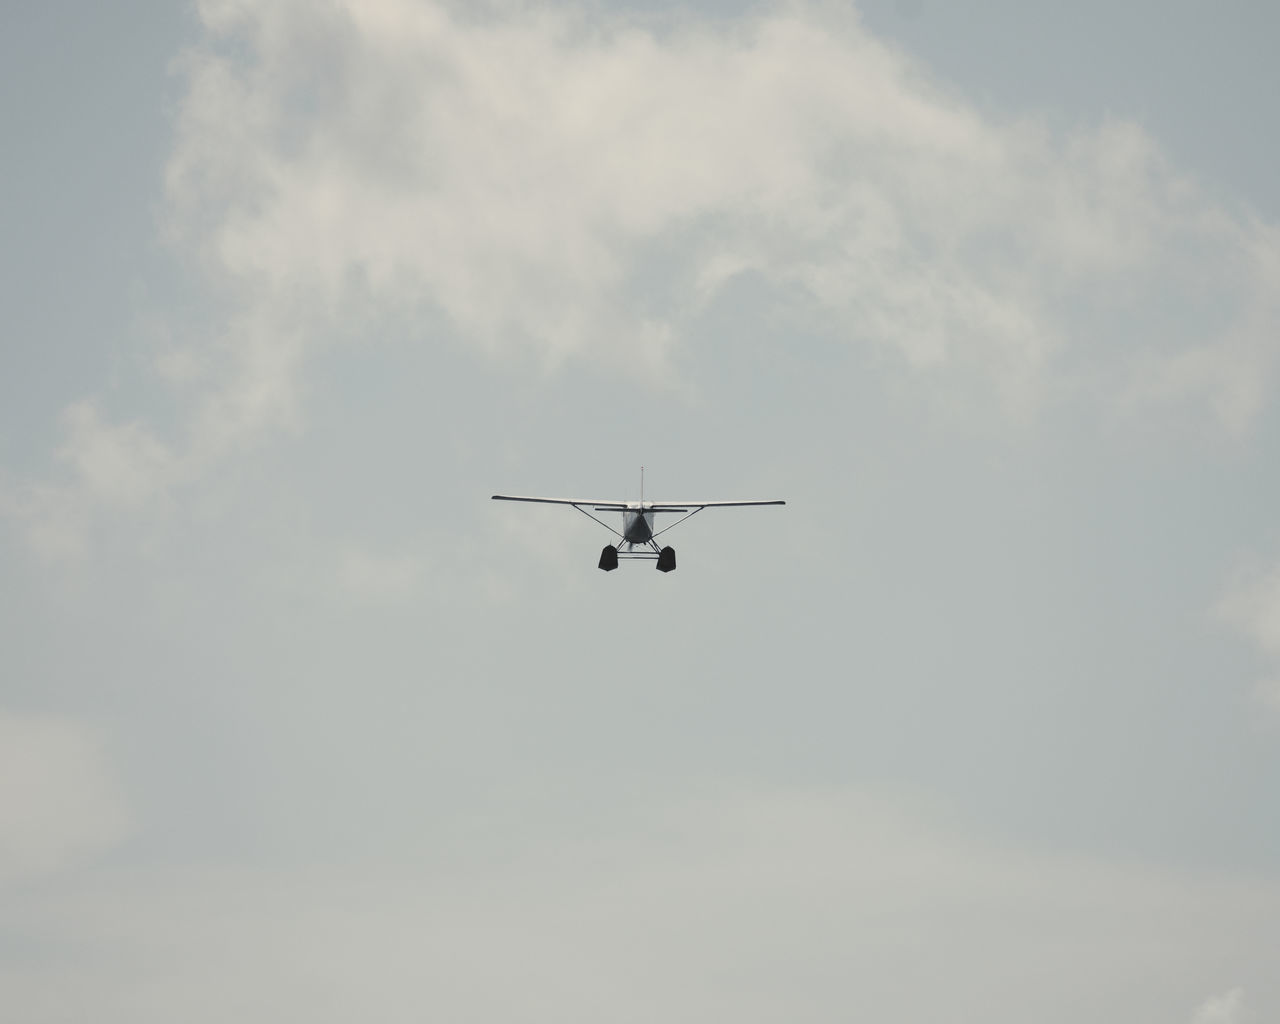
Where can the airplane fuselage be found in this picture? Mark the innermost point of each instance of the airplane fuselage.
(637, 524)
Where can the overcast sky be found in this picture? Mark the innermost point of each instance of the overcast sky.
(295, 723)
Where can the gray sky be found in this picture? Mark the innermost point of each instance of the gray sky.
(984, 725)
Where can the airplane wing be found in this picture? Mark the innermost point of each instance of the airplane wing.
(599, 506)
(684, 506)
(650, 506)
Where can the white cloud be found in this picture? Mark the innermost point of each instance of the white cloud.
(557, 180)
(1228, 1008)
(1251, 604)
(54, 520)
(57, 804)
(749, 906)
(122, 464)
(519, 171)
(117, 467)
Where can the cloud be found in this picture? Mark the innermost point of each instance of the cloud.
(555, 181)
(1251, 605)
(57, 805)
(1228, 1008)
(531, 170)
(113, 467)
(121, 464)
(751, 906)
(53, 519)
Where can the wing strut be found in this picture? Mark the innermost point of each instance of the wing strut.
(679, 521)
(600, 521)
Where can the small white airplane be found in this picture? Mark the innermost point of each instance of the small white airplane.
(637, 523)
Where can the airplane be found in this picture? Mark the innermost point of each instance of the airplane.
(637, 523)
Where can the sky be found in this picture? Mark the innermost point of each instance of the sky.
(983, 725)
